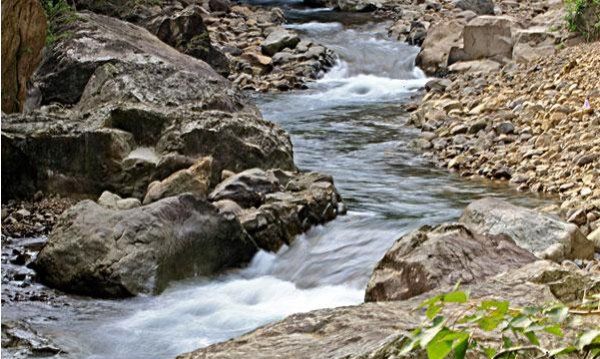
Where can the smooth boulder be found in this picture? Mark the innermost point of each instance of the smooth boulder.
(101, 252)
(546, 236)
(430, 258)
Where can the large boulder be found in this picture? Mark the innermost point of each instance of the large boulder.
(445, 255)
(23, 38)
(489, 37)
(441, 40)
(546, 236)
(532, 43)
(275, 206)
(183, 29)
(103, 252)
(480, 7)
(135, 102)
(379, 330)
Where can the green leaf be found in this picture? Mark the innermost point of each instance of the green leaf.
(554, 330)
(562, 351)
(430, 333)
(520, 321)
(587, 338)
(438, 349)
(500, 306)
(456, 297)
(432, 311)
(506, 342)
(533, 339)
(558, 314)
(489, 352)
(489, 323)
(431, 301)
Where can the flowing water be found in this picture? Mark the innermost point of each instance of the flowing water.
(349, 124)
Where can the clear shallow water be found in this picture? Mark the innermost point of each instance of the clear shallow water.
(349, 124)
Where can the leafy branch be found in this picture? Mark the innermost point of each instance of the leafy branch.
(453, 335)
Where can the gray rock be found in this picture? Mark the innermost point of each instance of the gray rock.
(480, 7)
(489, 37)
(278, 40)
(445, 255)
(247, 188)
(110, 253)
(546, 236)
(131, 91)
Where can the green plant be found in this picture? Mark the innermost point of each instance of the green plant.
(517, 329)
(580, 17)
(58, 14)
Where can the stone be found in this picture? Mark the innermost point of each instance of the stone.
(109, 253)
(436, 49)
(247, 188)
(505, 128)
(442, 256)
(359, 5)
(489, 37)
(480, 7)
(278, 40)
(219, 5)
(531, 230)
(595, 238)
(475, 66)
(185, 31)
(179, 26)
(23, 39)
(128, 107)
(194, 180)
(533, 43)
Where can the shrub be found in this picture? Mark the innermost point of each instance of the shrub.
(516, 329)
(58, 13)
(583, 16)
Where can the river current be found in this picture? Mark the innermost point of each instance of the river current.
(349, 124)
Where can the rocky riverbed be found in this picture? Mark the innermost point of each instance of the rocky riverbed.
(142, 170)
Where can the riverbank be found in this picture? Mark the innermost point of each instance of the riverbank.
(533, 124)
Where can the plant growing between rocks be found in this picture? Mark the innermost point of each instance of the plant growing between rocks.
(58, 13)
(583, 16)
(453, 335)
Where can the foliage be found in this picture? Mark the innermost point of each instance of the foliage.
(58, 13)
(444, 337)
(577, 21)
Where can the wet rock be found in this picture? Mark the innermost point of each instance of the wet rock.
(546, 236)
(278, 40)
(23, 39)
(430, 258)
(110, 253)
(219, 5)
(20, 340)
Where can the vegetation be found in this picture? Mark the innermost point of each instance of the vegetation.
(517, 329)
(58, 13)
(583, 16)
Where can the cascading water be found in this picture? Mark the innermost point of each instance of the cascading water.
(349, 124)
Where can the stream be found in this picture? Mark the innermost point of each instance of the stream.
(349, 124)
